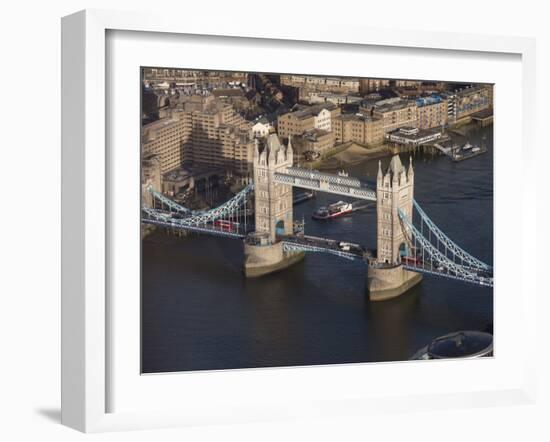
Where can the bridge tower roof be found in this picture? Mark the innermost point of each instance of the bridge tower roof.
(395, 167)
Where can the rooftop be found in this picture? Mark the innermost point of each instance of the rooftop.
(471, 90)
(234, 92)
(314, 134)
(357, 116)
(414, 134)
(163, 122)
(303, 112)
(393, 106)
(432, 99)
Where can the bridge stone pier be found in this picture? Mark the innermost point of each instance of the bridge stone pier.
(394, 191)
(264, 254)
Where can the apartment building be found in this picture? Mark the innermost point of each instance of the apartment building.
(473, 99)
(313, 140)
(203, 131)
(395, 113)
(307, 117)
(359, 128)
(328, 84)
(368, 85)
(165, 138)
(431, 112)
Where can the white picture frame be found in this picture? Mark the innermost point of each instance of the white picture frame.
(86, 356)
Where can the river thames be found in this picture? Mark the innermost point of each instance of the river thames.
(200, 313)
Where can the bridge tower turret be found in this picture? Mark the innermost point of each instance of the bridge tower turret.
(273, 201)
(263, 252)
(394, 191)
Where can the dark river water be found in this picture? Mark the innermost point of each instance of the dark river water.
(200, 313)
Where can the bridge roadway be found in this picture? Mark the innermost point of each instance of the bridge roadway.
(304, 243)
(291, 243)
(326, 182)
(482, 278)
(209, 229)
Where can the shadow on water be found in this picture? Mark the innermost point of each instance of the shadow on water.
(390, 321)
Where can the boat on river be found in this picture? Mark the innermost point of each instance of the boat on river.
(331, 211)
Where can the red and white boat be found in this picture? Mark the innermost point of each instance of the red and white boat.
(333, 211)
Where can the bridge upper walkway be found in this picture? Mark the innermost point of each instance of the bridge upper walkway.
(326, 182)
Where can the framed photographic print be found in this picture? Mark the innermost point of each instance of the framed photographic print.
(264, 224)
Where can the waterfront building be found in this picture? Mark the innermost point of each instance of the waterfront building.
(359, 128)
(204, 131)
(165, 139)
(307, 117)
(413, 136)
(468, 101)
(313, 140)
(294, 123)
(431, 112)
(395, 113)
(473, 99)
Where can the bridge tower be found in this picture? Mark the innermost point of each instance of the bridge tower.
(394, 190)
(272, 201)
(263, 251)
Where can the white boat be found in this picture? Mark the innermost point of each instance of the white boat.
(333, 211)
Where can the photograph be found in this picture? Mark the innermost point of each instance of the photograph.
(294, 219)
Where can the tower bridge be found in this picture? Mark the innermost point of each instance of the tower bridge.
(405, 250)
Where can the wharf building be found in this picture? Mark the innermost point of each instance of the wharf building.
(314, 140)
(472, 100)
(359, 128)
(431, 112)
(205, 132)
(395, 113)
(465, 102)
(308, 117)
